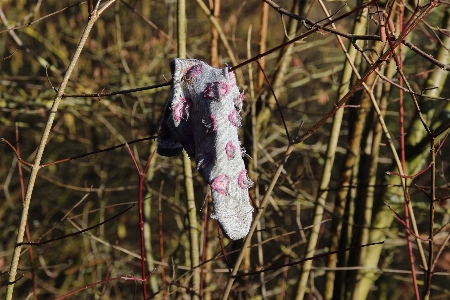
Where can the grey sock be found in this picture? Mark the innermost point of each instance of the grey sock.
(202, 116)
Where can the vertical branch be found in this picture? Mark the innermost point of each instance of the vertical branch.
(147, 224)
(22, 189)
(264, 20)
(187, 169)
(193, 227)
(352, 157)
(40, 151)
(402, 150)
(223, 39)
(381, 216)
(161, 242)
(209, 249)
(141, 216)
(214, 47)
(141, 231)
(383, 94)
(254, 166)
(204, 243)
(429, 272)
(349, 68)
(181, 28)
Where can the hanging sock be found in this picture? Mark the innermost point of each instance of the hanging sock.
(202, 117)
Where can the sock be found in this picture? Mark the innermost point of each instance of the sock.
(202, 117)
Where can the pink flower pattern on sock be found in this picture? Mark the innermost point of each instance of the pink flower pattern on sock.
(244, 181)
(238, 101)
(182, 108)
(232, 78)
(210, 124)
(235, 118)
(216, 90)
(192, 72)
(220, 184)
(230, 150)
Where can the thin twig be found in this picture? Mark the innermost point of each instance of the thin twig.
(9, 56)
(306, 259)
(15, 152)
(276, 100)
(48, 79)
(44, 17)
(100, 282)
(121, 92)
(75, 233)
(397, 216)
(99, 151)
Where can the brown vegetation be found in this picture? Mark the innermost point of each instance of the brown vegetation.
(346, 144)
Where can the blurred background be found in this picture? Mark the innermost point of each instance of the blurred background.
(131, 46)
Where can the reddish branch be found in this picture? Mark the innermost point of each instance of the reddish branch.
(77, 156)
(100, 282)
(141, 214)
(397, 216)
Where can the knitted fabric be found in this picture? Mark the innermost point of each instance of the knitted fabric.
(202, 117)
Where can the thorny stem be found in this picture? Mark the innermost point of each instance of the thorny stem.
(40, 151)
(399, 63)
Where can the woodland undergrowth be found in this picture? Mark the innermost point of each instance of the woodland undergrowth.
(345, 125)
